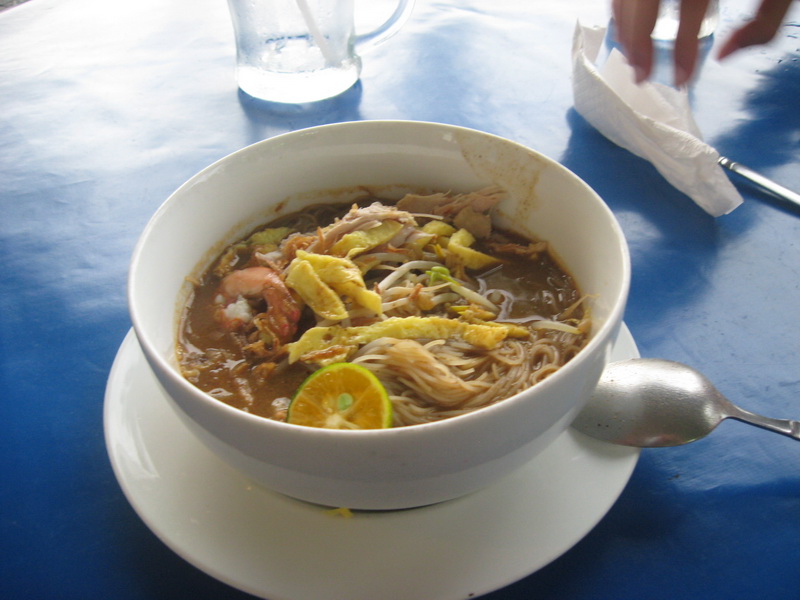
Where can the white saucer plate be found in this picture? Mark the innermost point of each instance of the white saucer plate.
(278, 548)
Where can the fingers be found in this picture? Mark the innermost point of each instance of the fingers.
(686, 44)
(635, 21)
(620, 10)
(761, 29)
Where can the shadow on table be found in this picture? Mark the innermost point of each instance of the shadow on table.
(267, 119)
(646, 513)
(160, 573)
(771, 129)
(673, 242)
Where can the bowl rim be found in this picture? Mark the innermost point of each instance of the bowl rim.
(166, 367)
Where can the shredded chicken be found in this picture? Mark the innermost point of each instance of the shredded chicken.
(468, 211)
(357, 219)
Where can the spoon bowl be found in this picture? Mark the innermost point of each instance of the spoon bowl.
(652, 403)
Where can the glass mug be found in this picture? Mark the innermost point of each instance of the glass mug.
(297, 51)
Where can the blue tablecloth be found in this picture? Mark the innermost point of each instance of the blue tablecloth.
(106, 107)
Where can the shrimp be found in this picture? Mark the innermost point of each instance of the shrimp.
(283, 311)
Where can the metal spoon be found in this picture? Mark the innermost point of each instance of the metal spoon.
(651, 403)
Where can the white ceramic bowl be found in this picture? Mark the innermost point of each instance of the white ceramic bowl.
(402, 467)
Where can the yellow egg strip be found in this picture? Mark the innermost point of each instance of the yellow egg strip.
(482, 335)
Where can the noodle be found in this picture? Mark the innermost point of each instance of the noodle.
(449, 320)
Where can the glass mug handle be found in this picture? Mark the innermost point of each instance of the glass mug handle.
(388, 28)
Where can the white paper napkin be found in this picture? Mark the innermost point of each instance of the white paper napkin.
(651, 120)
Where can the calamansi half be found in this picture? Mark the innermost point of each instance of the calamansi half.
(341, 396)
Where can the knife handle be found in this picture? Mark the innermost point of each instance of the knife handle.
(760, 180)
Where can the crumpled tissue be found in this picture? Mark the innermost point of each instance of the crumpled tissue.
(651, 120)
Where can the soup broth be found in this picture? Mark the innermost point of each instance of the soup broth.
(449, 313)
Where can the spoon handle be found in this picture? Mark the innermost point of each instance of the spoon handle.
(787, 427)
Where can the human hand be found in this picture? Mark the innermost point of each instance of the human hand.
(635, 20)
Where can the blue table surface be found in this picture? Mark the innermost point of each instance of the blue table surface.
(106, 107)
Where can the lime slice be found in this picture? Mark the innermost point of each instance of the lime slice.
(341, 396)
